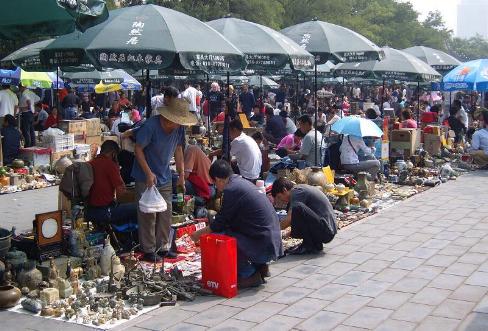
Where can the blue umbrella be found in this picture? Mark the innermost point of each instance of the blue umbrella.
(58, 83)
(471, 76)
(357, 126)
(10, 77)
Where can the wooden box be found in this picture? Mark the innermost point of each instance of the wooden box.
(432, 144)
(76, 127)
(93, 127)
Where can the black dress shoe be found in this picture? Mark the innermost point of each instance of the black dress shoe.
(302, 250)
(264, 271)
(252, 281)
(168, 254)
(151, 257)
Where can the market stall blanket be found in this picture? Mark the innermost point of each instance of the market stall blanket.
(106, 326)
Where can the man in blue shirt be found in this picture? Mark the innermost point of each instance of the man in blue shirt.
(11, 139)
(246, 98)
(157, 141)
(275, 128)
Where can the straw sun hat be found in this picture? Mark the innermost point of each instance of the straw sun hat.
(177, 111)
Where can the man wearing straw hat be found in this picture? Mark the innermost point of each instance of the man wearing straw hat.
(157, 141)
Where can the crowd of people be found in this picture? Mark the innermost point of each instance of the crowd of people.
(292, 129)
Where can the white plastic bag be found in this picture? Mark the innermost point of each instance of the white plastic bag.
(152, 202)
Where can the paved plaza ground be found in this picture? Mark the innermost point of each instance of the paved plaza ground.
(421, 265)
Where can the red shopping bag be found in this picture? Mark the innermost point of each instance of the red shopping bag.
(219, 264)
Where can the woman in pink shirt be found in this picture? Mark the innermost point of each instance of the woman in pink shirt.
(290, 143)
(408, 122)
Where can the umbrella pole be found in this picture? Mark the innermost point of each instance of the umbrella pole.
(226, 119)
(296, 92)
(382, 98)
(57, 94)
(208, 111)
(343, 94)
(316, 116)
(418, 102)
(148, 95)
(261, 86)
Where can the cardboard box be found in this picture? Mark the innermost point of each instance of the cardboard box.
(114, 138)
(77, 127)
(93, 127)
(93, 140)
(36, 156)
(55, 156)
(432, 144)
(405, 139)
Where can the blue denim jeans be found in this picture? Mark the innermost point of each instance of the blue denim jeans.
(113, 214)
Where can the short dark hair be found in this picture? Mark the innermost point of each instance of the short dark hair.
(406, 114)
(170, 91)
(5, 86)
(371, 113)
(220, 169)
(109, 146)
(298, 133)
(305, 119)
(269, 110)
(236, 124)
(280, 185)
(10, 119)
(257, 136)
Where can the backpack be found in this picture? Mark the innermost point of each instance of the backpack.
(77, 182)
(333, 155)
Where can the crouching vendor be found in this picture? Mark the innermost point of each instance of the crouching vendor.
(310, 215)
(197, 178)
(102, 207)
(249, 216)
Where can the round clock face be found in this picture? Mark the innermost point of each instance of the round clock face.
(49, 228)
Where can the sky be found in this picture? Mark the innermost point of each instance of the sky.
(448, 9)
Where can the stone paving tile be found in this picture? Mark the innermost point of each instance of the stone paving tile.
(315, 281)
(454, 250)
(301, 271)
(436, 243)
(371, 288)
(305, 308)
(406, 245)
(425, 272)
(409, 285)
(455, 309)
(162, 322)
(323, 261)
(234, 325)
(187, 327)
(348, 328)
(374, 248)
(368, 317)
(353, 278)
(390, 255)
(344, 249)
(322, 321)
(461, 269)
(422, 253)
(474, 322)
(407, 263)
(478, 279)
(357, 257)
(469, 293)
(390, 275)
(390, 300)
(247, 298)
(373, 266)
(412, 312)
(289, 295)
(441, 260)
(260, 312)
(447, 282)
(330, 292)
(438, 323)
(338, 268)
(430, 296)
(278, 322)
(475, 258)
(200, 304)
(482, 306)
(348, 304)
(278, 283)
(214, 316)
(393, 325)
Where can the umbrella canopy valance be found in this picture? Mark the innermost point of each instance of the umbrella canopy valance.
(440, 61)
(396, 65)
(95, 77)
(357, 126)
(332, 42)
(147, 37)
(36, 18)
(265, 49)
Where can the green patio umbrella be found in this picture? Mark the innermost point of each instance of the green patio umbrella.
(38, 18)
(396, 65)
(265, 49)
(330, 42)
(28, 58)
(94, 77)
(439, 60)
(147, 37)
